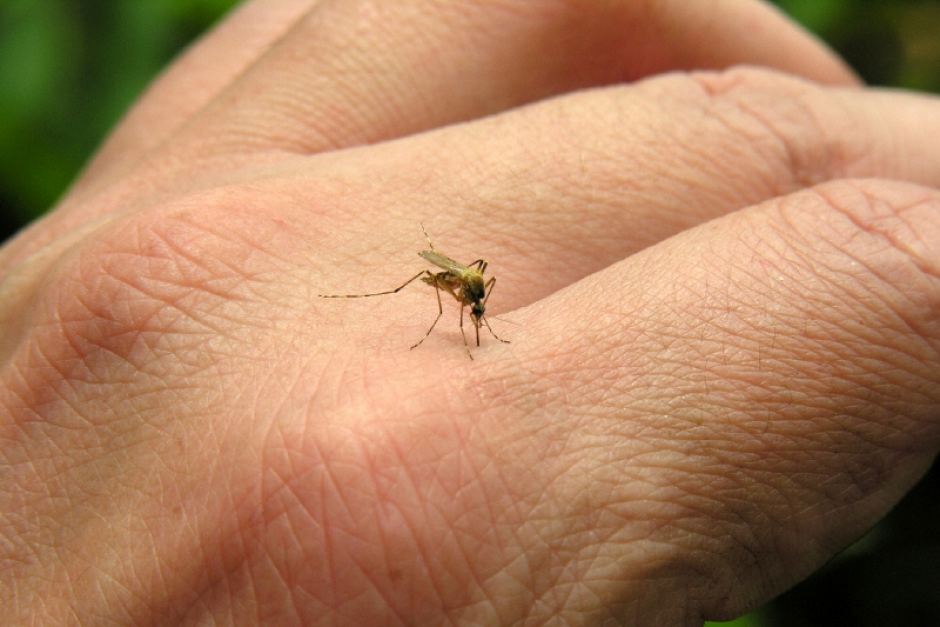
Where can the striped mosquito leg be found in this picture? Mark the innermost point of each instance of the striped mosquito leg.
(394, 291)
(464, 335)
(440, 312)
(493, 333)
(479, 263)
(488, 289)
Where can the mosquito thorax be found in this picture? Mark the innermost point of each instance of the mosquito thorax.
(475, 288)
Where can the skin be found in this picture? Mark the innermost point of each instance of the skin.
(721, 282)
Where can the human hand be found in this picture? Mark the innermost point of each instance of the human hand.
(190, 435)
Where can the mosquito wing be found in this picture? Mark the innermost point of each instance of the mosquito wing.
(444, 262)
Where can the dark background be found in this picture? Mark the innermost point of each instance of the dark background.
(69, 68)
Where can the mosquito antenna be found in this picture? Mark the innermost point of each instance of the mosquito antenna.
(426, 236)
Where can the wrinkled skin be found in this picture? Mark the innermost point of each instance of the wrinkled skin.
(721, 286)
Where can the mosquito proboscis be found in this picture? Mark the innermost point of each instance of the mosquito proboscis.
(466, 283)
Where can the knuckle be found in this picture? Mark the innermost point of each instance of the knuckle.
(876, 244)
(891, 223)
(793, 122)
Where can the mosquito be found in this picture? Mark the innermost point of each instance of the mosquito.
(465, 283)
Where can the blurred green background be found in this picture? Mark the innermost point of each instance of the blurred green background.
(69, 68)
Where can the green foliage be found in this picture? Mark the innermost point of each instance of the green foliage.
(889, 43)
(751, 620)
(69, 69)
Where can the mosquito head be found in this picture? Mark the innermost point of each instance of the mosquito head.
(475, 291)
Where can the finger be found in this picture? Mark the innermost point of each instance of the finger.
(562, 188)
(358, 72)
(566, 187)
(193, 80)
(763, 387)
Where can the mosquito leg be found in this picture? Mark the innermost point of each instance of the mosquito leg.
(494, 334)
(394, 291)
(481, 265)
(440, 312)
(465, 345)
(488, 289)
